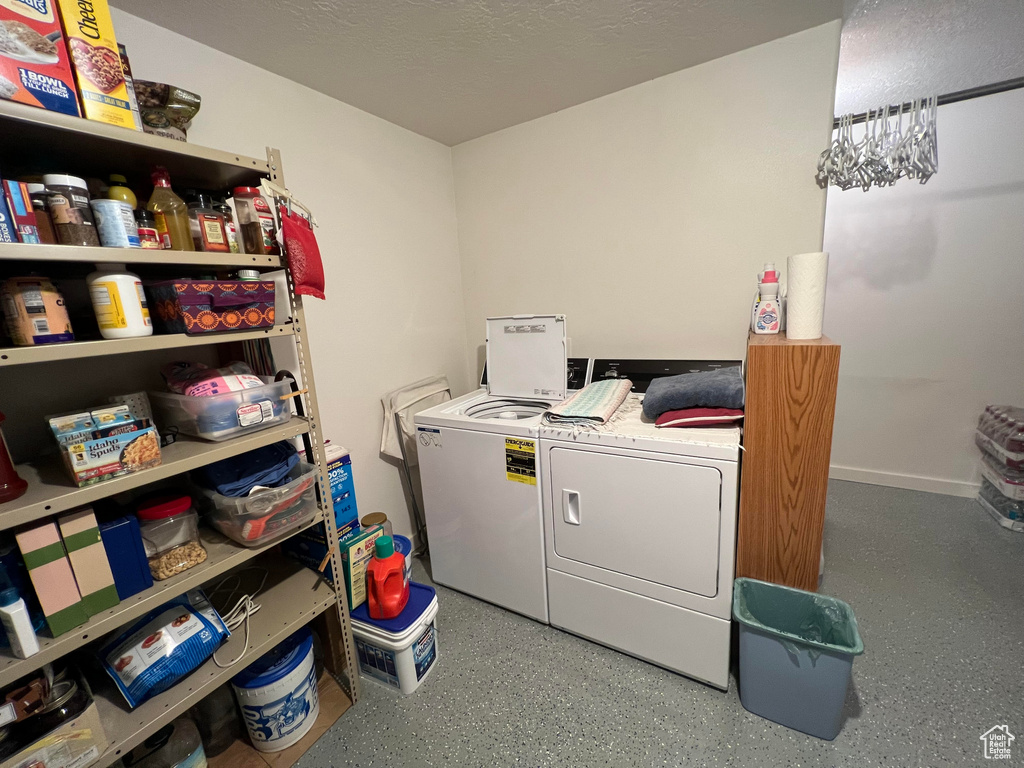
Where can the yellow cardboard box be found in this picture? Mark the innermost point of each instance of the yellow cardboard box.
(97, 62)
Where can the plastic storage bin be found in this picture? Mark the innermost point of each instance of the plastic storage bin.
(265, 515)
(277, 694)
(796, 655)
(170, 535)
(221, 417)
(399, 652)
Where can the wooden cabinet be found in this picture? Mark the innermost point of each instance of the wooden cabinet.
(790, 407)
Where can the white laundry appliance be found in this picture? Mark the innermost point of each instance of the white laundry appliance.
(640, 530)
(478, 468)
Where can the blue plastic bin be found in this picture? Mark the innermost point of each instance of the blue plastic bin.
(796, 655)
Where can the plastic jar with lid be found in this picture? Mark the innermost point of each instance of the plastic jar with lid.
(68, 201)
(119, 302)
(256, 220)
(145, 223)
(177, 745)
(170, 535)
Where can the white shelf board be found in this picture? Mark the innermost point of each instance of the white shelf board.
(222, 555)
(77, 350)
(51, 492)
(90, 254)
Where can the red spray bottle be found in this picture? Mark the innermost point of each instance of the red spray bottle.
(387, 590)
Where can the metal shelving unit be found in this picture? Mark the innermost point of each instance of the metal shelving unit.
(294, 595)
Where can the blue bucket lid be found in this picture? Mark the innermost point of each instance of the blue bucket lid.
(277, 663)
(402, 544)
(420, 598)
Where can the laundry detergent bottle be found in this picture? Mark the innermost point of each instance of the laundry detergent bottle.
(387, 588)
(767, 313)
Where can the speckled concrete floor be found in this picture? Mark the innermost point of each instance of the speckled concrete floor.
(938, 592)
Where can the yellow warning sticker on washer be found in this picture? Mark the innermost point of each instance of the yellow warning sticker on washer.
(521, 460)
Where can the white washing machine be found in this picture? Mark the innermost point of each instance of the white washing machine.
(640, 527)
(478, 468)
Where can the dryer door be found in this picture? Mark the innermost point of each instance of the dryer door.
(655, 519)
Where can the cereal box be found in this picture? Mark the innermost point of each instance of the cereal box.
(97, 61)
(34, 64)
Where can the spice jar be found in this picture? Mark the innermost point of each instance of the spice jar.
(256, 220)
(170, 535)
(206, 224)
(146, 224)
(221, 206)
(68, 201)
(44, 224)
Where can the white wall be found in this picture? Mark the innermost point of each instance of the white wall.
(924, 295)
(384, 199)
(645, 215)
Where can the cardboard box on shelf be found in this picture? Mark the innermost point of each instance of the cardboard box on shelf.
(99, 72)
(34, 64)
(75, 744)
(19, 205)
(82, 541)
(343, 491)
(51, 575)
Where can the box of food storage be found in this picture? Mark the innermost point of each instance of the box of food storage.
(104, 443)
(204, 306)
(97, 62)
(34, 64)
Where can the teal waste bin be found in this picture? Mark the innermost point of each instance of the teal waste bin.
(796, 655)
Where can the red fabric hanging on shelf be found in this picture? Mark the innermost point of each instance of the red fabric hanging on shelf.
(303, 253)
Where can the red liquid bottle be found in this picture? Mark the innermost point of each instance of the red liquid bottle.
(387, 591)
(11, 484)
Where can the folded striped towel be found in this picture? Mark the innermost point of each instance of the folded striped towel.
(594, 404)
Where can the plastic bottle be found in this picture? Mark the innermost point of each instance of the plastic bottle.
(119, 302)
(256, 220)
(767, 314)
(119, 190)
(17, 624)
(170, 212)
(387, 589)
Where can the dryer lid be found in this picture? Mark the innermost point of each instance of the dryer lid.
(526, 357)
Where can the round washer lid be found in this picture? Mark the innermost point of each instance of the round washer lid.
(420, 598)
(498, 409)
(277, 663)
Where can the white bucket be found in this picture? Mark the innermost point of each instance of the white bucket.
(404, 659)
(277, 694)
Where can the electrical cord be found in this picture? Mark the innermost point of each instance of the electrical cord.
(241, 611)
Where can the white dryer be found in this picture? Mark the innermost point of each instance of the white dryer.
(478, 468)
(640, 527)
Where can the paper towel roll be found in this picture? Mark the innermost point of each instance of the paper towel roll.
(805, 295)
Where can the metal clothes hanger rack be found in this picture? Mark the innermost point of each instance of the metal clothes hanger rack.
(948, 98)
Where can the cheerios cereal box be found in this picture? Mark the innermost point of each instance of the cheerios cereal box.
(34, 64)
(98, 69)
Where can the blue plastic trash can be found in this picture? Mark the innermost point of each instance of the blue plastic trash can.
(796, 655)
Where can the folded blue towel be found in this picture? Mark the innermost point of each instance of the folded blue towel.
(268, 466)
(720, 388)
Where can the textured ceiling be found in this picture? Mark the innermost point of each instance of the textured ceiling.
(896, 50)
(457, 69)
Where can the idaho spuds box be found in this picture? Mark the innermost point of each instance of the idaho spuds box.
(34, 64)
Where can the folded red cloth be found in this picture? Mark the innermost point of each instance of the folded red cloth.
(699, 417)
(303, 254)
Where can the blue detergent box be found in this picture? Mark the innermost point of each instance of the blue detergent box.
(343, 491)
(309, 547)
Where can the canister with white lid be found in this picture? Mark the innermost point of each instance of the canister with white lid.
(119, 302)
